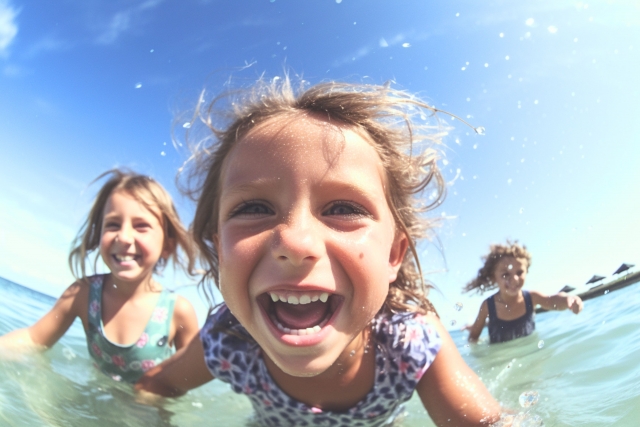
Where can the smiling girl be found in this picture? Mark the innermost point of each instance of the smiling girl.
(511, 310)
(308, 219)
(131, 322)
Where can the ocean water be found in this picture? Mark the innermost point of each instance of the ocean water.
(576, 370)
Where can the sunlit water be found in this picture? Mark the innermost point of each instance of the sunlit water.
(573, 371)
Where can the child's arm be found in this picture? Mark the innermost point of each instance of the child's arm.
(451, 392)
(52, 326)
(476, 329)
(560, 301)
(183, 371)
(185, 322)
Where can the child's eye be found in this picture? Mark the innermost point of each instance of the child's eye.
(111, 225)
(349, 209)
(251, 209)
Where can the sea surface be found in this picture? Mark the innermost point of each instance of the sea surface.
(573, 371)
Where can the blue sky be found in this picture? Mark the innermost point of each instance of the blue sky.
(89, 85)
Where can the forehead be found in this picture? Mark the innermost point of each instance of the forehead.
(301, 143)
(515, 263)
(134, 204)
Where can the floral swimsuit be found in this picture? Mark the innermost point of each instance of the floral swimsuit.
(405, 346)
(129, 362)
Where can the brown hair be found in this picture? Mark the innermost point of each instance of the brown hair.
(152, 195)
(484, 280)
(399, 130)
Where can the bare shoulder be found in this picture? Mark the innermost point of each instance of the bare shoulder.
(76, 296)
(538, 297)
(183, 309)
(184, 323)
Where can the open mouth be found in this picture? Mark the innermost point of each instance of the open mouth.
(299, 313)
(125, 258)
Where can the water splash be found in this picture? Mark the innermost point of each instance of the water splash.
(540, 343)
(528, 398)
(187, 125)
(480, 130)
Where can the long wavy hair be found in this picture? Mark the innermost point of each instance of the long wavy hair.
(399, 125)
(153, 196)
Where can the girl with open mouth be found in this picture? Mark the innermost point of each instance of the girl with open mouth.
(308, 217)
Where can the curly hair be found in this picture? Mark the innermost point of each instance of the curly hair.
(152, 195)
(484, 280)
(397, 124)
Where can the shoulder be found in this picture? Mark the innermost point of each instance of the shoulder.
(228, 348)
(183, 308)
(77, 294)
(410, 336)
(536, 297)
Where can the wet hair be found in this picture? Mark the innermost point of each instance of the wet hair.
(396, 124)
(484, 280)
(150, 194)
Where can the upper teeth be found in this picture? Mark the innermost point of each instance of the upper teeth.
(300, 299)
(125, 257)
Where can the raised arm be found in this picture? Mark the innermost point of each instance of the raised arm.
(559, 301)
(183, 371)
(451, 392)
(476, 329)
(52, 326)
(185, 323)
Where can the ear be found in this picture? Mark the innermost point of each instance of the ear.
(169, 247)
(396, 255)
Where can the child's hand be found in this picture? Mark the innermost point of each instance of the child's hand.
(574, 303)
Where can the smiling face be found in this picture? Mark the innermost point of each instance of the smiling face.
(132, 239)
(510, 274)
(306, 241)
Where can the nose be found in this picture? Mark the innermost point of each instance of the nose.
(125, 235)
(298, 240)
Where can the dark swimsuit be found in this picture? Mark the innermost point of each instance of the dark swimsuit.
(507, 330)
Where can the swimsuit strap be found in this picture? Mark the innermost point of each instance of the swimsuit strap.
(527, 301)
(491, 304)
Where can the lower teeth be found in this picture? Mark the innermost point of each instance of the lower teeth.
(306, 331)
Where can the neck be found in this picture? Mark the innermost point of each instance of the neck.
(507, 299)
(129, 289)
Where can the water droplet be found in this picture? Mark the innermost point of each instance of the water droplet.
(406, 44)
(138, 85)
(528, 398)
(482, 287)
(68, 353)
(162, 153)
(486, 64)
(552, 29)
(453, 322)
(540, 343)
(529, 22)
(501, 34)
(509, 181)
(480, 130)
(151, 51)
(607, 291)
(353, 353)
(272, 1)
(196, 404)
(338, 1)
(458, 306)
(187, 125)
